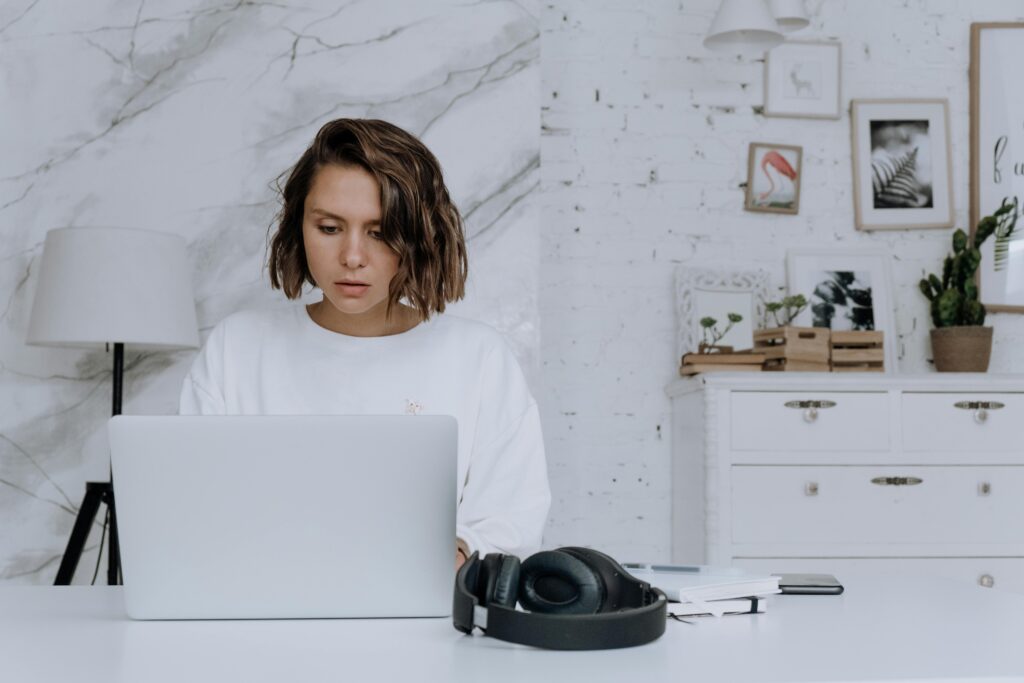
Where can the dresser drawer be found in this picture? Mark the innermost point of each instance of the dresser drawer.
(1004, 573)
(963, 422)
(783, 421)
(868, 505)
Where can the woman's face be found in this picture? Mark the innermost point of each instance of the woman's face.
(341, 232)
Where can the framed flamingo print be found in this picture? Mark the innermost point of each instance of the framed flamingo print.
(902, 174)
(773, 178)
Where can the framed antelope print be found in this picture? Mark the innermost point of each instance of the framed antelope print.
(801, 80)
(901, 164)
(773, 178)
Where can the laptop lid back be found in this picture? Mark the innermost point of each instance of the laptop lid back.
(226, 517)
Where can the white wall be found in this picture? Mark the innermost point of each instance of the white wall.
(644, 149)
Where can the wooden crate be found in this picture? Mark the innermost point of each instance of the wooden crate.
(743, 361)
(794, 348)
(858, 351)
(787, 365)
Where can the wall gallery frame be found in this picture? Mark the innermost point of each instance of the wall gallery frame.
(802, 80)
(902, 173)
(848, 289)
(997, 164)
(710, 292)
(773, 178)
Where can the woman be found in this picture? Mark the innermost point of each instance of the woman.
(367, 219)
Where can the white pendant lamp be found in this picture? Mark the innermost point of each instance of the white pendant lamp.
(790, 15)
(743, 26)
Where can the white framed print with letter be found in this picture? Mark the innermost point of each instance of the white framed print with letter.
(997, 158)
(802, 80)
(902, 176)
(847, 289)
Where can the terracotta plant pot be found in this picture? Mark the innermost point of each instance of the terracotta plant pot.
(962, 348)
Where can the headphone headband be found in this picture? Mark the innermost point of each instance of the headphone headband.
(642, 617)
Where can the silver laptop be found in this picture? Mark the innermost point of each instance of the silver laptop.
(249, 517)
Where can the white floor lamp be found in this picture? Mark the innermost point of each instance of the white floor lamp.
(101, 286)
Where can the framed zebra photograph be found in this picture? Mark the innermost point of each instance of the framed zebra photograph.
(902, 176)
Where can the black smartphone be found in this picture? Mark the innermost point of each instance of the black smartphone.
(809, 584)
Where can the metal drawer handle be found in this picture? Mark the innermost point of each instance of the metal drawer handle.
(897, 481)
(984, 488)
(986, 580)
(980, 408)
(811, 488)
(810, 408)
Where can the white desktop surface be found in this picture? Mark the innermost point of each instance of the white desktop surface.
(881, 629)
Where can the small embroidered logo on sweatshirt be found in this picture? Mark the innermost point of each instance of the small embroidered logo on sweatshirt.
(412, 407)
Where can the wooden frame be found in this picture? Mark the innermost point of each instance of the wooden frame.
(784, 160)
(915, 198)
(991, 150)
(777, 104)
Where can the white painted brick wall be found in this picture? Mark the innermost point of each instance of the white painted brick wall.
(644, 149)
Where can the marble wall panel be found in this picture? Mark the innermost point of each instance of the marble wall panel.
(179, 116)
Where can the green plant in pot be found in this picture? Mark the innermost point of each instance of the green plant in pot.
(960, 342)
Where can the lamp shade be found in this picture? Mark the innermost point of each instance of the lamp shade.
(744, 26)
(110, 285)
(790, 15)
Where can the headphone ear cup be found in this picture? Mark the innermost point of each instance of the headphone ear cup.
(498, 582)
(505, 588)
(555, 582)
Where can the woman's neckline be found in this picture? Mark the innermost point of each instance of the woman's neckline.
(324, 333)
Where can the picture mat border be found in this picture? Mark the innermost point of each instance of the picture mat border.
(974, 212)
(858, 211)
(749, 190)
(883, 304)
(777, 113)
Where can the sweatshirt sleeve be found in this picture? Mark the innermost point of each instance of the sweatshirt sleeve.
(201, 392)
(506, 497)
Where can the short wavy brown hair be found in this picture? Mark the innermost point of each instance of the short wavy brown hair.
(418, 219)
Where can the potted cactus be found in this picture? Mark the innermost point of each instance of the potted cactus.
(960, 342)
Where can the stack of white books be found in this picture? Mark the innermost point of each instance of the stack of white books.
(703, 589)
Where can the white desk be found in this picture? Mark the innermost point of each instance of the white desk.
(879, 629)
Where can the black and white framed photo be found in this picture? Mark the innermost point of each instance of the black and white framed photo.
(802, 80)
(847, 289)
(902, 176)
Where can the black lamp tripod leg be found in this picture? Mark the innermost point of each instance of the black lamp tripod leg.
(114, 551)
(94, 494)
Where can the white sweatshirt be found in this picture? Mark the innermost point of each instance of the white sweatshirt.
(280, 362)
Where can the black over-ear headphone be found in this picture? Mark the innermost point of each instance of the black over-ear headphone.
(579, 599)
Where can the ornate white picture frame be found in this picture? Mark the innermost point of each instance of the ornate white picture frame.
(713, 292)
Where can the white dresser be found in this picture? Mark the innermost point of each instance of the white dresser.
(829, 472)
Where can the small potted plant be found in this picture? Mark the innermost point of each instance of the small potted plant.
(712, 356)
(960, 341)
(788, 347)
(710, 334)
